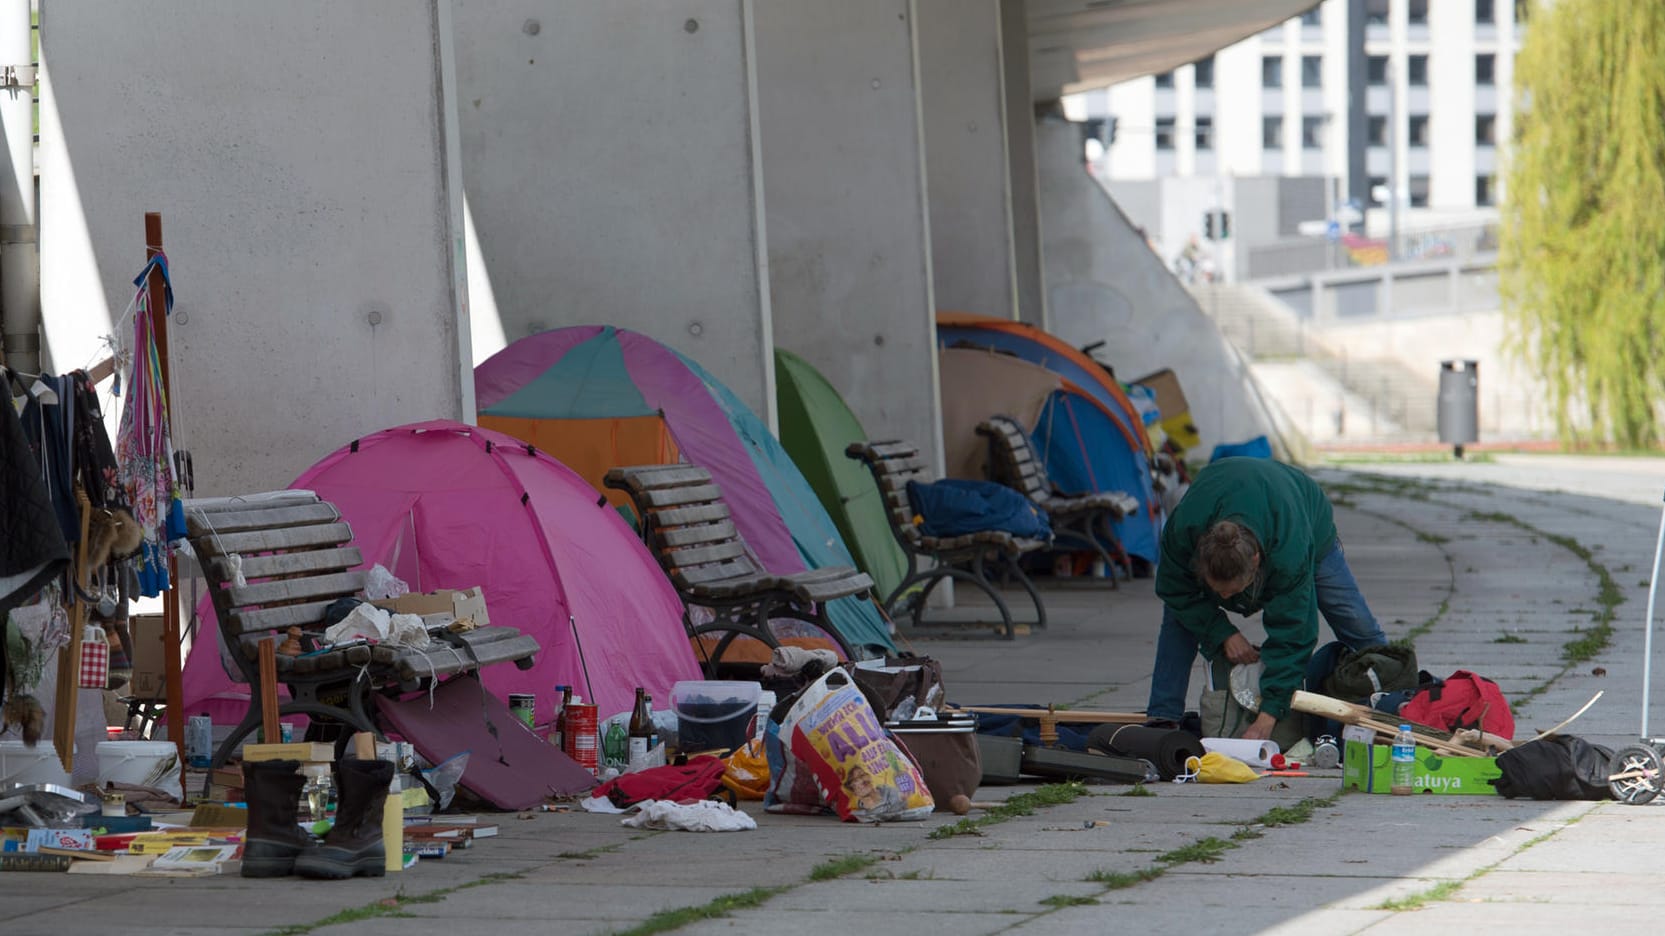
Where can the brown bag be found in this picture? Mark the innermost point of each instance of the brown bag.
(901, 678)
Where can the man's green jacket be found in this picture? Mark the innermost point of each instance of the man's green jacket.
(1291, 519)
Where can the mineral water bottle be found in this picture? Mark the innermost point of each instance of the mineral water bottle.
(1404, 761)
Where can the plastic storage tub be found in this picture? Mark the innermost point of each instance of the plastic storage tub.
(153, 764)
(713, 714)
(22, 764)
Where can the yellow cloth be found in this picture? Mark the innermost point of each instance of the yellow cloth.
(1215, 767)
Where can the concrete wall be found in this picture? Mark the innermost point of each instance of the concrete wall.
(1020, 161)
(849, 244)
(1104, 283)
(609, 162)
(297, 154)
(962, 96)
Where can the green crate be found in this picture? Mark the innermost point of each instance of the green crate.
(1368, 766)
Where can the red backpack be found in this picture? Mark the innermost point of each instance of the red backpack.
(1463, 700)
(679, 783)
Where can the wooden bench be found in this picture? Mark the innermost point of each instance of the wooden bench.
(965, 558)
(296, 558)
(1078, 523)
(689, 529)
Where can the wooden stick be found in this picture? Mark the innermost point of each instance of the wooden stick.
(69, 657)
(364, 745)
(268, 691)
(170, 598)
(1049, 718)
(1572, 717)
(103, 369)
(1350, 714)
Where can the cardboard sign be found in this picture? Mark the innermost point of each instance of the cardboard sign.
(1368, 766)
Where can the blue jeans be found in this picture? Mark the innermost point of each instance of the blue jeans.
(1339, 601)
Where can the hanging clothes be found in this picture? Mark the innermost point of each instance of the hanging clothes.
(144, 446)
(32, 546)
(49, 424)
(94, 456)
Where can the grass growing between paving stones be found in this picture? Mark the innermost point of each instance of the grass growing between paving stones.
(1509, 639)
(1021, 804)
(393, 906)
(839, 867)
(1059, 901)
(1206, 851)
(666, 920)
(1139, 789)
(1116, 880)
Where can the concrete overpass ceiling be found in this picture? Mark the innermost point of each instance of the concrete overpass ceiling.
(1079, 45)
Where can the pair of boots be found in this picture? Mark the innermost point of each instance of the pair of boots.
(275, 844)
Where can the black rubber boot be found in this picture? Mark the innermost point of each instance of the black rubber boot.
(353, 846)
(274, 839)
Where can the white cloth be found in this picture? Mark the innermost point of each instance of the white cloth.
(365, 620)
(703, 816)
(787, 661)
(601, 804)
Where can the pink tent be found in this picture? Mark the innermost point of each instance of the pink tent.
(444, 505)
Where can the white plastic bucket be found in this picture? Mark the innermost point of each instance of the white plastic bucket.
(142, 763)
(22, 764)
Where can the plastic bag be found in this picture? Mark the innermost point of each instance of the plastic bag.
(830, 751)
(381, 584)
(748, 771)
(365, 620)
(444, 778)
(1215, 767)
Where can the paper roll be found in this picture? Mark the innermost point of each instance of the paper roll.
(1253, 753)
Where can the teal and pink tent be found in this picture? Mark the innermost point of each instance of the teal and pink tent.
(444, 505)
(599, 397)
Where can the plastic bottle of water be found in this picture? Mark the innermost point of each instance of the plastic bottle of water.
(1404, 761)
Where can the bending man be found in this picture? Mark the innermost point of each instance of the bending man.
(1252, 535)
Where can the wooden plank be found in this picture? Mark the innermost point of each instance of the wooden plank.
(200, 523)
(69, 655)
(311, 588)
(699, 513)
(694, 576)
(310, 614)
(662, 476)
(283, 498)
(678, 496)
(697, 533)
(294, 563)
(704, 555)
(268, 692)
(311, 537)
(893, 449)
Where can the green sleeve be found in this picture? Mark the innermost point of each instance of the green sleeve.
(1196, 607)
(1291, 622)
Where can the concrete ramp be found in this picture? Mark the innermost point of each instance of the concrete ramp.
(1103, 283)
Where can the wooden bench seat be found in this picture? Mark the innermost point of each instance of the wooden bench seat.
(966, 558)
(1081, 522)
(279, 560)
(689, 529)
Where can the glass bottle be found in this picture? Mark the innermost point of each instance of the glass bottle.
(641, 729)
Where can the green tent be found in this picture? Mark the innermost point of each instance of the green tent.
(815, 427)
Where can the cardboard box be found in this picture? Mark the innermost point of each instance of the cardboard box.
(316, 752)
(150, 667)
(1368, 766)
(466, 603)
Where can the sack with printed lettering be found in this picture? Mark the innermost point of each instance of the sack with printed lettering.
(829, 750)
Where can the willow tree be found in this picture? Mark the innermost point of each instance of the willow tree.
(1582, 246)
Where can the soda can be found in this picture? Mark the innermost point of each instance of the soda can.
(524, 705)
(287, 730)
(581, 741)
(199, 740)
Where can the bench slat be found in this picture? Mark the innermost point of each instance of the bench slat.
(649, 477)
(678, 496)
(683, 558)
(695, 534)
(292, 563)
(700, 513)
(692, 577)
(310, 588)
(263, 619)
(204, 523)
(310, 537)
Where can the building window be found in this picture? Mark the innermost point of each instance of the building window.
(1419, 191)
(1521, 9)
(1485, 69)
(1271, 71)
(1165, 80)
(1312, 71)
(1375, 70)
(1483, 191)
(1483, 12)
(1376, 12)
(1485, 129)
(1416, 12)
(1204, 69)
(1418, 130)
(1164, 133)
(1205, 133)
(1271, 133)
(1377, 184)
(1416, 70)
(1312, 132)
(1310, 17)
(1375, 130)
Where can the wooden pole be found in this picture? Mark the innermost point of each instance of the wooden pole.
(69, 656)
(170, 598)
(268, 692)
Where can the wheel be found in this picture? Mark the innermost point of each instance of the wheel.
(1637, 774)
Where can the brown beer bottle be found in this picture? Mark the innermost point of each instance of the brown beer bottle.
(559, 738)
(641, 728)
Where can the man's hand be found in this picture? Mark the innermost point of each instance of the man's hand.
(1260, 729)
(1239, 650)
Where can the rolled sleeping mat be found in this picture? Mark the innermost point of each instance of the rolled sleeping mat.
(1167, 748)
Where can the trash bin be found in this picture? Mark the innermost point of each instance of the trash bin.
(1459, 403)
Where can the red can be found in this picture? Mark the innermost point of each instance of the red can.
(581, 738)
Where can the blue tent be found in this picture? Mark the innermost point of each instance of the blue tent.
(1083, 450)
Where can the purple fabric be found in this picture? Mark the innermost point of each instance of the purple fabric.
(504, 373)
(430, 503)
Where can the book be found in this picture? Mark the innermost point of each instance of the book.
(433, 848)
(318, 752)
(87, 854)
(25, 861)
(198, 859)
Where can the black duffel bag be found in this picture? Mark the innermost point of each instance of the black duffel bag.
(1559, 767)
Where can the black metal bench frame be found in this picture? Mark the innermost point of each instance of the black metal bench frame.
(690, 531)
(965, 558)
(296, 557)
(1079, 523)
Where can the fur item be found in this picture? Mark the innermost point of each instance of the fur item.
(111, 534)
(24, 711)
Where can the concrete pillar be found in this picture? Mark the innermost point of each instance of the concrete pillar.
(962, 92)
(610, 161)
(1020, 161)
(845, 190)
(298, 155)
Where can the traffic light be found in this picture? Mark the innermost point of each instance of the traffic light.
(1216, 224)
(1208, 225)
